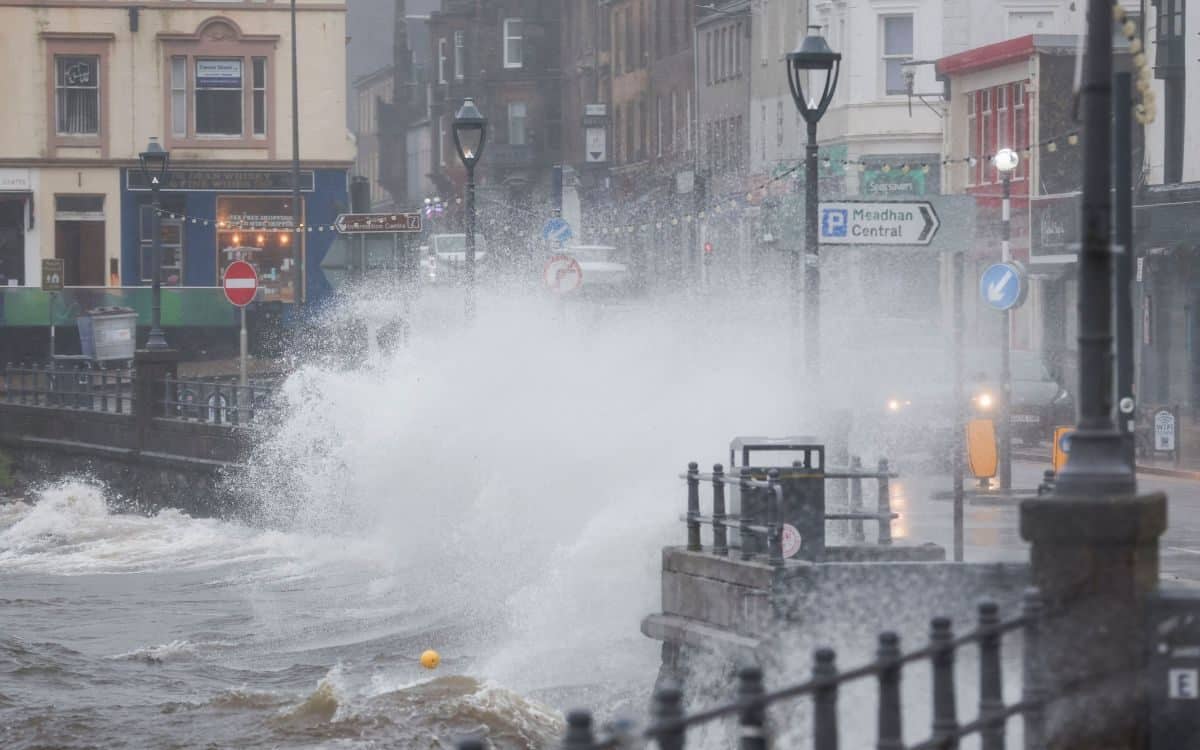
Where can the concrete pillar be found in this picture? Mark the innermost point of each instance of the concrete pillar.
(151, 367)
(1095, 559)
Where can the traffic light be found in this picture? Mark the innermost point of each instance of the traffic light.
(708, 248)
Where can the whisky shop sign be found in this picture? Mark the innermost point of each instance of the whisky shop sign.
(225, 180)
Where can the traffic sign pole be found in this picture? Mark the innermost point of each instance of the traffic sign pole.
(1005, 429)
(242, 342)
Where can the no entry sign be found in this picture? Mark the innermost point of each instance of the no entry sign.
(241, 283)
(562, 274)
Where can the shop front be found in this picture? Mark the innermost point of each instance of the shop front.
(211, 217)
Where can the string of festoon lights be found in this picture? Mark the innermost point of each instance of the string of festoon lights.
(1144, 110)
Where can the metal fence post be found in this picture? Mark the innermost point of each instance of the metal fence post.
(579, 731)
(856, 499)
(945, 715)
(752, 719)
(1033, 692)
(890, 734)
(693, 507)
(744, 523)
(885, 503)
(991, 685)
(668, 707)
(825, 695)
(720, 534)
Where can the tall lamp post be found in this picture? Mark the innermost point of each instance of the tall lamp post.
(1097, 463)
(155, 160)
(813, 59)
(470, 135)
(1006, 162)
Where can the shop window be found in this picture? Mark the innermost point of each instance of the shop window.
(79, 238)
(897, 50)
(516, 123)
(442, 60)
(171, 234)
(513, 54)
(219, 97)
(258, 230)
(77, 94)
(972, 137)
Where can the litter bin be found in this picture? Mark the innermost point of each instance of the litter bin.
(802, 481)
(1173, 634)
(108, 333)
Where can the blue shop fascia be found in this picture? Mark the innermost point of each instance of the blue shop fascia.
(214, 215)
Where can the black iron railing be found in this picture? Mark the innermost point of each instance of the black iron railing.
(765, 533)
(72, 386)
(670, 723)
(216, 402)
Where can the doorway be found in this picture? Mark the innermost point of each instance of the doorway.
(12, 241)
(79, 238)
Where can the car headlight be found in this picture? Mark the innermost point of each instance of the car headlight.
(985, 401)
(895, 404)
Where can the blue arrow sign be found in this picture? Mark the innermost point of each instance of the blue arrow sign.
(557, 230)
(1002, 286)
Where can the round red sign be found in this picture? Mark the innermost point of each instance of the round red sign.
(241, 283)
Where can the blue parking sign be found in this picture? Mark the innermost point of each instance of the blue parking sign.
(834, 222)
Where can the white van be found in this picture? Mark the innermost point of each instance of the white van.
(444, 259)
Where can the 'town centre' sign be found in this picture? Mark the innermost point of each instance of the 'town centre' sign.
(878, 223)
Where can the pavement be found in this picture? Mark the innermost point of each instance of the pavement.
(990, 527)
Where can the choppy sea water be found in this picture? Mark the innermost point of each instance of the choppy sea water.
(498, 493)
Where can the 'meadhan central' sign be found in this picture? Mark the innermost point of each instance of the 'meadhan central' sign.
(879, 223)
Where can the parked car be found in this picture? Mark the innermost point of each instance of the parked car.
(605, 269)
(904, 399)
(444, 259)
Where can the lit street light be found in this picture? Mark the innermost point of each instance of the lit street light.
(470, 136)
(812, 59)
(1006, 162)
(155, 160)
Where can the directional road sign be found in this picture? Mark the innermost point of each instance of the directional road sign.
(377, 223)
(878, 223)
(54, 272)
(562, 274)
(557, 230)
(240, 283)
(1003, 286)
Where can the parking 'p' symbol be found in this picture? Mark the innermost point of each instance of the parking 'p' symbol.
(834, 222)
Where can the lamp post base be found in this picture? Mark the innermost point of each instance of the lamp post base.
(1094, 559)
(1098, 465)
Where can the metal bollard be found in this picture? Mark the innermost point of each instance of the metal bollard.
(856, 500)
(1033, 688)
(693, 507)
(1047, 485)
(720, 534)
(885, 504)
(752, 719)
(746, 521)
(825, 695)
(774, 519)
(945, 715)
(991, 684)
(890, 734)
(668, 707)
(579, 734)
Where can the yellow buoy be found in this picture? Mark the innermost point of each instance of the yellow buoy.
(431, 659)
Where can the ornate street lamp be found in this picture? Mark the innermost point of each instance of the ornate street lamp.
(155, 160)
(470, 136)
(1006, 162)
(812, 62)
